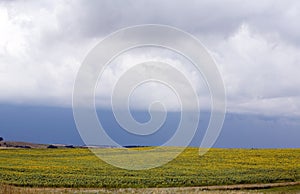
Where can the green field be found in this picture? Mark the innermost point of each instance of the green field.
(80, 168)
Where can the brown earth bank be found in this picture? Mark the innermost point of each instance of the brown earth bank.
(287, 187)
(28, 145)
(16, 144)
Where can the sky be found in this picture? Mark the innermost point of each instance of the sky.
(255, 44)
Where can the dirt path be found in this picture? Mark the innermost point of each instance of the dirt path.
(249, 186)
(239, 188)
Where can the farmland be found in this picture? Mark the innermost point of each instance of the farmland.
(80, 168)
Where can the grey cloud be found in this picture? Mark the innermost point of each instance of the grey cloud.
(78, 20)
(45, 41)
(98, 18)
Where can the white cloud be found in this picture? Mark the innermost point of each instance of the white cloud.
(35, 66)
(256, 44)
(260, 72)
(147, 93)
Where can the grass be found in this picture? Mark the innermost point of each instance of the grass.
(80, 168)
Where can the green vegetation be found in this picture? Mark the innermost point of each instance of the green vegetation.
(81, 168)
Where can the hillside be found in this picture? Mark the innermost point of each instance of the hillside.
(16, 144)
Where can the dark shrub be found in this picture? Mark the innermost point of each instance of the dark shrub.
(18, 146)
(52, 146)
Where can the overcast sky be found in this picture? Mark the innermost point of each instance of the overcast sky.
(256, 45)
